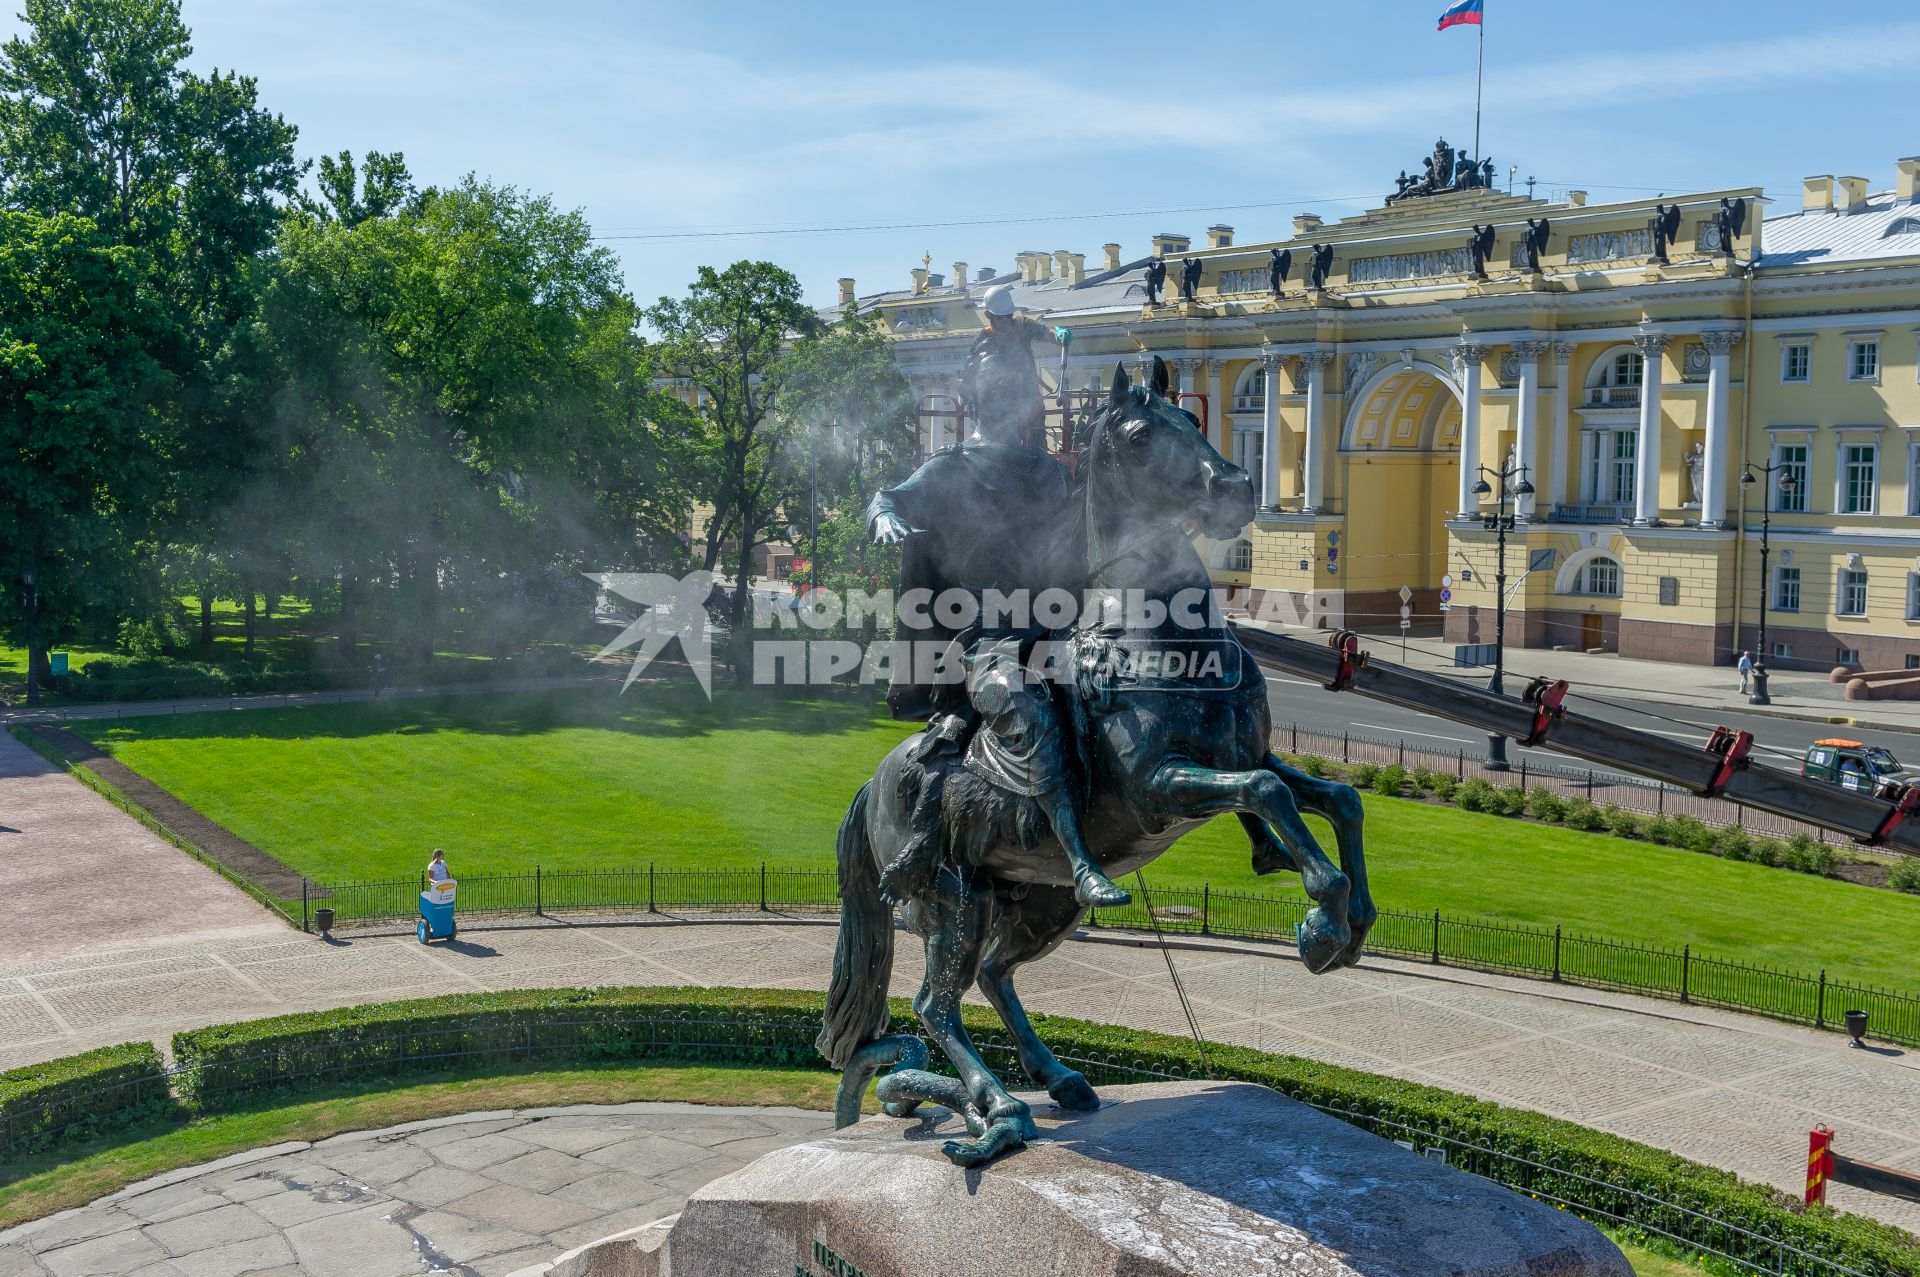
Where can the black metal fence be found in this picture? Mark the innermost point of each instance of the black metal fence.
(1564, 957)
(1629, 793)
(772, 1037)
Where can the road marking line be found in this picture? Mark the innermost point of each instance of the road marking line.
(1375, 727)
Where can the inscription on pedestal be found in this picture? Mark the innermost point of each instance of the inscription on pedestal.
(828, 1262)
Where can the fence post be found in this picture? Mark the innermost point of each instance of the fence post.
(1296, 738)
(1589, 784)
(539, 904)
(1403, 752)
(1686, 971)
(1820, 1007)
(763, 886)
(303, 904)
(1523, 773)
(1345, 747)
(1660, 804)
(1436, 937)
(1206, 906)
(650, 908)
(1556, 953)
(1460, 764)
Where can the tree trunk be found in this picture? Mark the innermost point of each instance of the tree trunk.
(737, 611)
(206, 616)
(249, 606)
(347, 628)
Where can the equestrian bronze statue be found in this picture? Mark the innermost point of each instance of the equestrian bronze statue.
(1064, 757)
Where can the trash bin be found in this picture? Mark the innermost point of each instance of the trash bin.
(1856, 1026)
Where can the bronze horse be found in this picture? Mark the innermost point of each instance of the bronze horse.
(1161, 756)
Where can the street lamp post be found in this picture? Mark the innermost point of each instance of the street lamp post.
(1788, 483)
(1500, 522)
(31, 579)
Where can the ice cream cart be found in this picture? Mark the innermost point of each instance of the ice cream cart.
(436, 912)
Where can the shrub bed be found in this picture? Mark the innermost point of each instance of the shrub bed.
(1556, 1160)
(1801, 853)
(80, 1095)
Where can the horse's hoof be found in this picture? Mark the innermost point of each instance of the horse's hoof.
(1321, 945)
(1074, 1093)
(1098, 892)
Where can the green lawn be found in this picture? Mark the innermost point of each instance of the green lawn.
(588, 780)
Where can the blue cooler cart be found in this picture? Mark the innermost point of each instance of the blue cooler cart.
(436, 912)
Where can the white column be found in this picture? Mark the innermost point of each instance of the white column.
(1315, 363)
(1217, 422)
(1646, 473)
(1270, 433)
(1563, 458)
(1713, 493)
(1189, 370)
(1527, 421)
(1466, 366)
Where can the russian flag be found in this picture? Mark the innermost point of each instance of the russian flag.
(1462, 13)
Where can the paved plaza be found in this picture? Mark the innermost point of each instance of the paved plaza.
(472, 1196)
(1730, 1090)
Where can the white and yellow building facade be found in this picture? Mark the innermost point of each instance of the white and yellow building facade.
(1631, 371)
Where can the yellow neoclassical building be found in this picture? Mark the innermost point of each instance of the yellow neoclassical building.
(1630, 361)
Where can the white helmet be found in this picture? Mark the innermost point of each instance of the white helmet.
(999, 301)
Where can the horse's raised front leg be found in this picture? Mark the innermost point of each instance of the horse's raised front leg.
(958, 916)
(1340, 805)
(1182, 788)
(1023, 930)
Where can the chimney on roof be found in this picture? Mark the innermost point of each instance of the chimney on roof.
(1906, 187)
(1042, 267)
(986, 273)
(936, 280)
(1306, 223)
(1166, 243)
(1023, 263)
(1113, 255)
(1077, 268)
(919, 280)
(1219, 237)
(846, 290)
(1577, 198)
(959, 274)
(1817, 193)
(1849, 194)
(1062, 265)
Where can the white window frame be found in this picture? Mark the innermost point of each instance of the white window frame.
(1913, 478)
(1612, 460)
(1780, 579)
(1776, 499)
(1786, 362)
(1239, 555)
(1585, 581)
(1913, 596)
(1854, 346)
(1842, 478)
(1250, 446)
(1843, 584)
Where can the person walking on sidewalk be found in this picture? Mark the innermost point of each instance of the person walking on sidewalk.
(1746, 670)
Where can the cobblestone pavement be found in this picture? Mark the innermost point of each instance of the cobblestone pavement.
(1730, 1090)
(78, 874)
(483, 1194)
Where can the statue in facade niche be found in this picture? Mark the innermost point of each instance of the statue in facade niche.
(1534, 243)
(1279, 266)
(1729, 220)
(1156, 279)
(1480, 245)
(1665, 225)
(959, 837)
(1696, 460)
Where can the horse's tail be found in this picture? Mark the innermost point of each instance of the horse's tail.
(863, 958)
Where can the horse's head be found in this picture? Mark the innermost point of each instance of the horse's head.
(1147, 464)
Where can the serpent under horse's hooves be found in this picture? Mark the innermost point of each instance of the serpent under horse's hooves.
(1163, 755)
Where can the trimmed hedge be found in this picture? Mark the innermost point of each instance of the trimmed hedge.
(1548, 1157)
(99, 1090)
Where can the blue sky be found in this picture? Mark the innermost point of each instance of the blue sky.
(666, 121)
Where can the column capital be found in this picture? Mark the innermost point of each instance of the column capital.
(1563, 352)
(1720, 341)
(1313, 359)
(1188, 365)
(1652, 345)
(1530, 351)
(1466, 358)
(1270, 359)
(1470, 350)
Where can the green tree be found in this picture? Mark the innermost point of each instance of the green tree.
(731, 337)
(85, 458)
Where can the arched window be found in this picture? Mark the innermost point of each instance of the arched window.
(1616, 379)
(1250, 395)
(1240, 556)
(1599, 576)
(1902, 226)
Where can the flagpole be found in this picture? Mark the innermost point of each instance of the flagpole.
(1479, 83)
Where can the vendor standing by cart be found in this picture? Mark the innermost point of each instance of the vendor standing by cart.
(437, 867)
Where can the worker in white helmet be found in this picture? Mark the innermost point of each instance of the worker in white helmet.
(1000, 382)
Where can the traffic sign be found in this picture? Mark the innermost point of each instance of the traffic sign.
(1446, 596)
(1446, 580)
(1406, 594)
(1446, 607)
(1405, 611)
(1405, 625)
